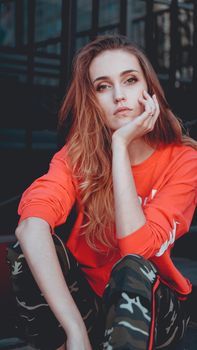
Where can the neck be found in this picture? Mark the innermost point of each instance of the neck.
(139, 151)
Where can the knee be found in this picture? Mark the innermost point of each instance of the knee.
(132, 273)
(136, 264)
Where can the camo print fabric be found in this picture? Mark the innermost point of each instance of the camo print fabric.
(172, 318)
(132, 295)
(124, 319)
(129, 300)
(36, 322)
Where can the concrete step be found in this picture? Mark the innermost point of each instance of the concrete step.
(14, 344)
(188, 268)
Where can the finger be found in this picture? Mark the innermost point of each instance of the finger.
(142, 100)
(157, 108)
(154, 106)
(147, 110)
(150, 101)
(148, 97)
(153, 119)
(148, 107)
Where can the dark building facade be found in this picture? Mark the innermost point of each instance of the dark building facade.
(39, 37)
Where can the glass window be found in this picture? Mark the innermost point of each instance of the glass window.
(136, 11)
(46, 70)
(7, 24)
(39, 80)
(186, 43)
(158, 6)
(183, 2)
(47, 19)
(84, 15)
(162, 38)
(25, 19)
(50, 48)
(138, 32)
(109, 12)
(114, 30)
(81, 41)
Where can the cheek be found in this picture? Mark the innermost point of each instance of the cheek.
(103, 103)
(135, 92)
(135, 98)
(137, 106)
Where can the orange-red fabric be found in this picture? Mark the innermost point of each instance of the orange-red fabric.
(166, 184)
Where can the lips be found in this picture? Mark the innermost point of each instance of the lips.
(122, 110)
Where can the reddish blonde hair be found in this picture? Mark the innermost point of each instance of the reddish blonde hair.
(89, 140)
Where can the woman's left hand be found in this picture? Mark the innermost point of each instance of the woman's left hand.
(142, 124)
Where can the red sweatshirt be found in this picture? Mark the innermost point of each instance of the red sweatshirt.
(166, 184)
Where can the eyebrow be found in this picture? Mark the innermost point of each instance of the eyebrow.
(105, 77)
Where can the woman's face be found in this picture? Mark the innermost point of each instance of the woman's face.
(119, 82)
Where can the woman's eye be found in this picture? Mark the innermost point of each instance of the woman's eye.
(131, 80)
(102, 87)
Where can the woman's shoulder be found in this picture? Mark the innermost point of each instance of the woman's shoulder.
(179, 151)
(186, 154)
(181, 162)
(178, 160)
(61, 153)
(61, 158)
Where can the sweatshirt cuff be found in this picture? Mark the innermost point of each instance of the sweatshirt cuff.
(44, 213)
(139, 242)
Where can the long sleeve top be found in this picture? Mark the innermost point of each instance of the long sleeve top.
(166, 184)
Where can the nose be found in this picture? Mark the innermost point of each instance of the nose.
(119, 95)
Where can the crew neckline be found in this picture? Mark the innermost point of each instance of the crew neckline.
(148, 161)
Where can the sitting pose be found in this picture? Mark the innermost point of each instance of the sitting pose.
(129, 174)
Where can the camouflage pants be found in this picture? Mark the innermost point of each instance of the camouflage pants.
(136, 312)
(141, 312)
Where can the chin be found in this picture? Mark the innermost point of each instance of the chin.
(119, 122)
(123, 121)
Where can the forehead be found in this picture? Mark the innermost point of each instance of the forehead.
(112, 62)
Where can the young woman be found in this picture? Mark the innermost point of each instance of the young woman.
(131, 174)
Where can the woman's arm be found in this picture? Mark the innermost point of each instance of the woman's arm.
(128, 212)
(36, 242)
(129, 215)
(170, 210)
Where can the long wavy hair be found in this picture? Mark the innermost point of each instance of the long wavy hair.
(89, 139)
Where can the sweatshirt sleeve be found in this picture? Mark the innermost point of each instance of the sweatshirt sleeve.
(51, 196)
(168, 214)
